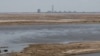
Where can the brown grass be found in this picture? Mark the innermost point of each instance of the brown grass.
(60, 49)
(47, 18)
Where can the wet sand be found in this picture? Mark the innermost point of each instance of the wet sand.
(70, 49)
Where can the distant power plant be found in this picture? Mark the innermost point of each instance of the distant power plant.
(52, 10)
(52, 7)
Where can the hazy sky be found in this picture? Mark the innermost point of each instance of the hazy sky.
(45, 5)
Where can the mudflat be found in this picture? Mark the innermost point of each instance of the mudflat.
(48, 18)
(69, 49)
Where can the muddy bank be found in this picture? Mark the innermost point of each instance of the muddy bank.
(48, 22)
(47, 18)
(69, 49)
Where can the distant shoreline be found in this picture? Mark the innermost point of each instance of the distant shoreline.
(46, 22)
(48, 18)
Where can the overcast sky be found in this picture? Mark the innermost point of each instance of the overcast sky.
(45, 5)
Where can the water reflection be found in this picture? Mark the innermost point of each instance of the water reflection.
(18, 35)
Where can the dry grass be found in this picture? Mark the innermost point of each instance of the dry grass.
(60, 49)
(47, 18)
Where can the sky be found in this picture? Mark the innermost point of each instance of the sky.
(45, 5)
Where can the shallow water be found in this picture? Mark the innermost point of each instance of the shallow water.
(94, 54)
(17, 37)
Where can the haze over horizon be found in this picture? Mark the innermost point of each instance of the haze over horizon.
(45, 5)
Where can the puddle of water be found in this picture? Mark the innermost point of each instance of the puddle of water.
(13, 48)
(94, 54)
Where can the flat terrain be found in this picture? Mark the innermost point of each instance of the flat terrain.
(70, 49)
(48, 18)
(55, 18)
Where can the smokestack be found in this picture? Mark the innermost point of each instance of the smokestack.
(52, 8)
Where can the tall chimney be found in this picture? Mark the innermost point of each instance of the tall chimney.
(52, 8)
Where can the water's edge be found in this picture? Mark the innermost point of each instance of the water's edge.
(18, 37)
